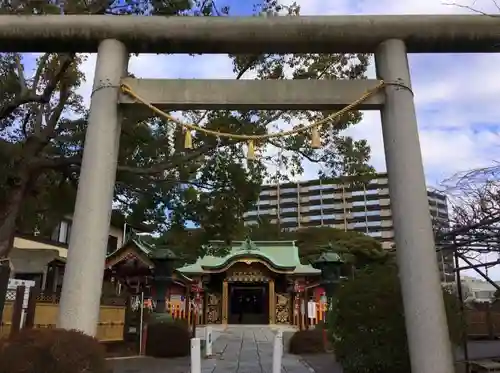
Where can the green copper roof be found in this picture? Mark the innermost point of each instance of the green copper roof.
(282, 255)
(143, 247)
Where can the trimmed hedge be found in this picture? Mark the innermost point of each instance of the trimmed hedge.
(307, 342)
(367, 324)
(168, 339)
(52, 351)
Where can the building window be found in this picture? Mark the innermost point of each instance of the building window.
(112, 244)
(328, 206)
(359, 225)
(358, 214)
(358, 193)
(62, 232)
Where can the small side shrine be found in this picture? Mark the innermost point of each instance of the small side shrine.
(133, 268)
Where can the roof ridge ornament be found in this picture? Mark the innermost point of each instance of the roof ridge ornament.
(248, 245)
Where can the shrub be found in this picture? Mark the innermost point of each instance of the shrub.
(367, 324)
(168, 339)
(307, 342)
(165, 317)
(52, 351)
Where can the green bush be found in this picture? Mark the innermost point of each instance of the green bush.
(307, 342)
(165, 317)
(52, 351)
(367, 324)
(160, 317)
(168, 339)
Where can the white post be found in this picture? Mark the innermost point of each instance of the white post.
(278, 352)
(141, 327)
(195, 355)
(208, 341)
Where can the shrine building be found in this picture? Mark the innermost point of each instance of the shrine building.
(251, 282)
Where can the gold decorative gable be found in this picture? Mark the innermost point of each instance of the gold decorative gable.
(247, 275)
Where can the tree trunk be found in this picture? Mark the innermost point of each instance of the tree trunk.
(9, 213)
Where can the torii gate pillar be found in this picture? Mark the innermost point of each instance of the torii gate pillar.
(82, 285)
(426, 324)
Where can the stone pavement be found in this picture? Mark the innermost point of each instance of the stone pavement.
(248, 349)
(237, 349)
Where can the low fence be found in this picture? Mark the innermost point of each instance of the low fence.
(183, 311)
(313, 315)
(483, 323)
(110, 327)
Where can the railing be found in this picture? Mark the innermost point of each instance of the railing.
(303, 318)
(179, 310)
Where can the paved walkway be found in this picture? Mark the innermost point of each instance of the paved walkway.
(248, 349)
(242, 349)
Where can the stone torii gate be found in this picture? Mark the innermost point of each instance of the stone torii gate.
(389, 37)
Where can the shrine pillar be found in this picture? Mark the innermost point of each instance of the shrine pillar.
(224, 302)
(272, 302)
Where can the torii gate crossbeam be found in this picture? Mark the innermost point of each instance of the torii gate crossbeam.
(248, 35)
(389, 37)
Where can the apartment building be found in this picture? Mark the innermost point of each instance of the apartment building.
(339, 203)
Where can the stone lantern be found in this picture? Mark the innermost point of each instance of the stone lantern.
(164, 261)
(330, 264)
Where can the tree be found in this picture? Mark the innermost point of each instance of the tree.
(43, 122)
(367, 323)
(474, 224)
(356, 249)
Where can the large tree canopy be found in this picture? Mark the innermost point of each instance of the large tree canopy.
(43, 123)
(355, 248)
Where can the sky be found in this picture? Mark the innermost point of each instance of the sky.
(455, 94)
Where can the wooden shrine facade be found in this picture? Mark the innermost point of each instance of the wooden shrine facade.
(253, 283)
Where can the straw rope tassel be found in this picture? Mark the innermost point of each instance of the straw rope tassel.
(251, 150)
(188, 140)
(315, 138)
